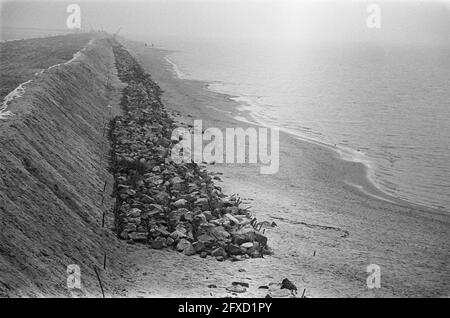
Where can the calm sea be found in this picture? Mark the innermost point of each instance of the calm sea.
(387, 106)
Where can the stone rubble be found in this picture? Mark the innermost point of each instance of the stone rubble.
(162, 203)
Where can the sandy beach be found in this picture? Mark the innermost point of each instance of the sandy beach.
(328, 230)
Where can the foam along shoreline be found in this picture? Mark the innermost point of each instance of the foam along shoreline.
(176, 70)
(19, 91)
(366, 184)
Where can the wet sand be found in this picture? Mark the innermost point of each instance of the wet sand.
(318, 211)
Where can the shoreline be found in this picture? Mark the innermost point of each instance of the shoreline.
(365, 183)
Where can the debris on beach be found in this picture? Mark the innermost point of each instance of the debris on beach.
(247, 285)
(236, 289)
(287, 284)
(285, 289)
(166, 204)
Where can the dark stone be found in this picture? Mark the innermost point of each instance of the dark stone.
(218, 252)
(287, 284)
(157, 244)
(234, 249)
(240, 284)
(206, 239)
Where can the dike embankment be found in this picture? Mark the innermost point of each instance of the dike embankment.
(55, 205)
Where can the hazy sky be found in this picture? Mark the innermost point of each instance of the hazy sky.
(290, 20)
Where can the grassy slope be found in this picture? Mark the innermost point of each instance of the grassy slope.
(19, 60)
(50, 210)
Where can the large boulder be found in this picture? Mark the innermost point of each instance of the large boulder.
(220, 234)
(206, 240)
(248, 234)
(138, 236)
(219, 252)
(189, 250)
(133, 213)
(183, 244)
(234, 249)
(181, 203)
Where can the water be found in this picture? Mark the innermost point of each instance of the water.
(388, 106)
